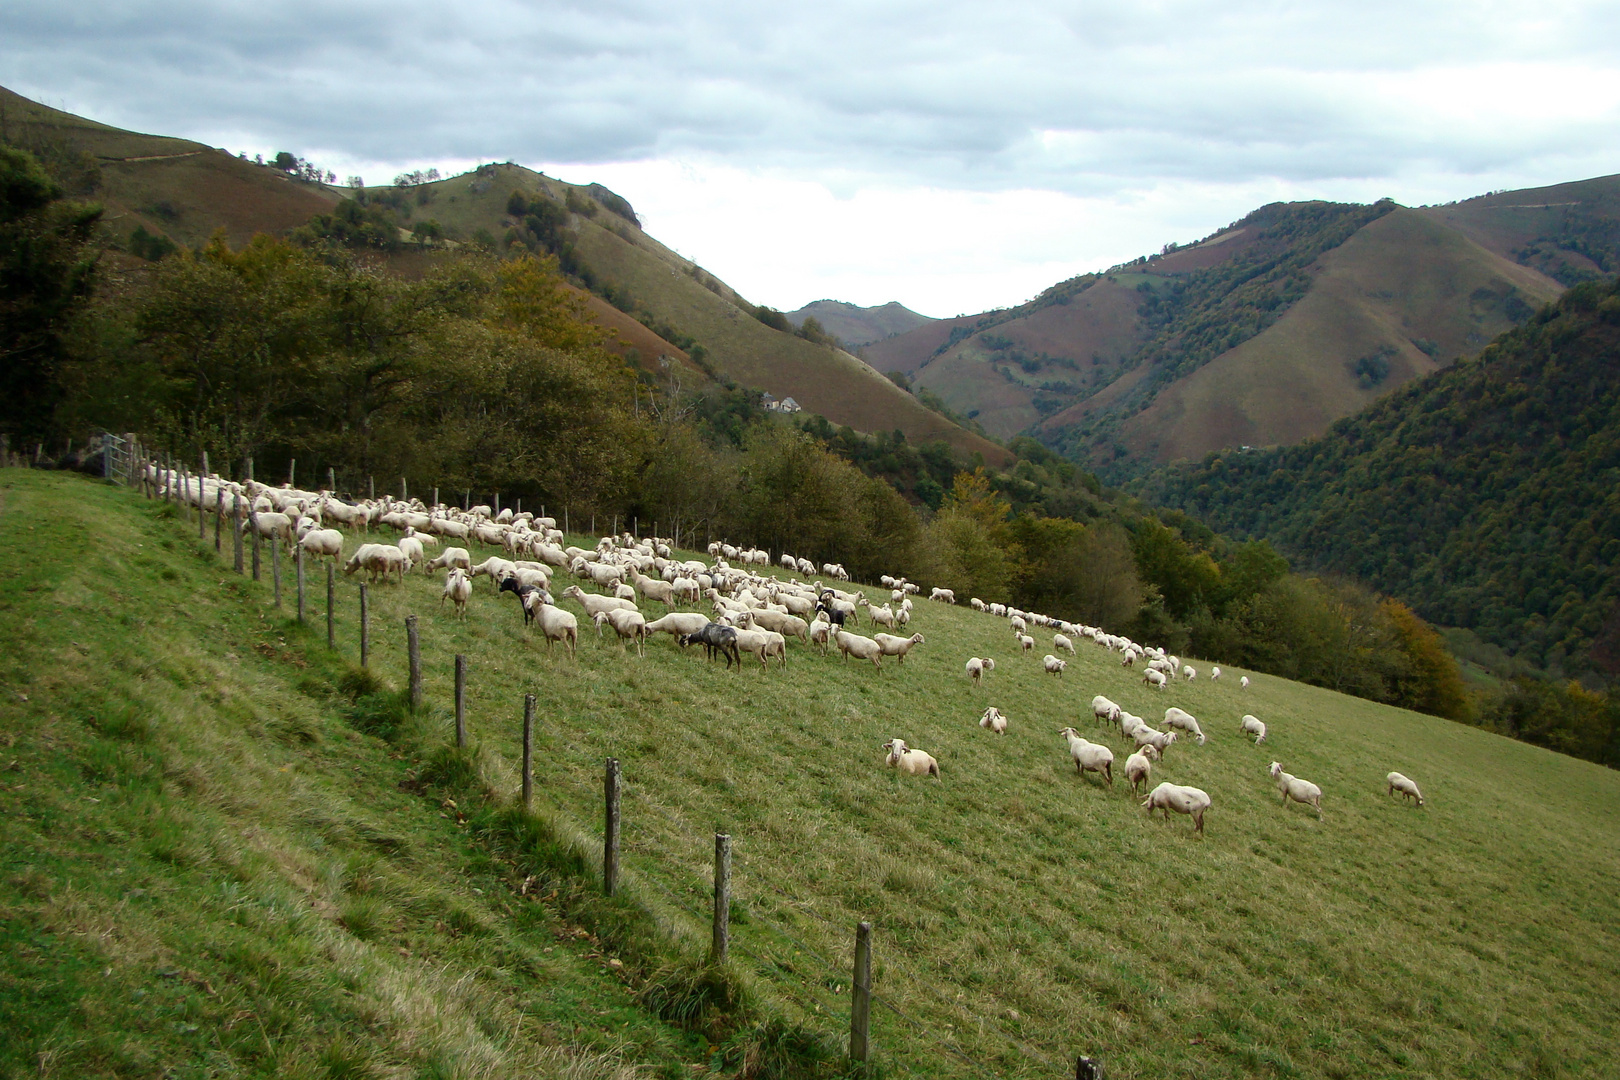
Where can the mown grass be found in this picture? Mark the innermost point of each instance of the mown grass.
(1022, 914)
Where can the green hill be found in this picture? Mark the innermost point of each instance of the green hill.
(183, 192)
(1484, 495)
(856, 326)
(218, 859)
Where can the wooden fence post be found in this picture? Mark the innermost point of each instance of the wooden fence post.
(250, 468)
(202, 514)
(292, 472)
(435, 498)
(461, 702)
(413, 645)
(253, 527)
(722, 898)
(331, 479)
(236, 530)
(528, 750)
(610, 831)
(299, 559)
(497, 504)
(860, 1005)
(371, 488)
(275, 566)
(404, 491)
(365, 627)
(331, 636)
(219, 519)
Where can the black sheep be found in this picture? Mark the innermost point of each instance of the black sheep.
(527, 595)
(714, 637)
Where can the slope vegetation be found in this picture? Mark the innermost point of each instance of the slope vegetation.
(856, 326)
(1484, 495)
(1022, 914)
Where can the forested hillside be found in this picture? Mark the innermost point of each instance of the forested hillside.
(1485, 495)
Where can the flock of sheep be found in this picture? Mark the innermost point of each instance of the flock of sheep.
(752, 612)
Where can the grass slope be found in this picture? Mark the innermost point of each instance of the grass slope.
(171, 187)
(1403, 279)
(1022, 914)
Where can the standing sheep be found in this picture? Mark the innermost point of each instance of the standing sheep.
(1061, 642)
(1053, 665)
(1179, 718)
(457, 588)
(1251, 725)
(1089, 756)
(1183, 800)
(1243, 682)
(1292, 787)
(977, 667)
(1104, 710)
(1402, 784)
(1138, 768)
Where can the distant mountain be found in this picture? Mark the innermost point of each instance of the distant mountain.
(857, 326)
(1486, 495)
(1266, 331)
(183, 192)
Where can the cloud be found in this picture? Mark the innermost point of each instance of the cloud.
(1157, 111)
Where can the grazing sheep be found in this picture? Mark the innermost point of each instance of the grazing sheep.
(1179, 718)
(1292, 787)
(1214, 673)
(594, 602)
(631, 625)
(1052, 664)
(1189, 671)
(1026, 643)
(993, 720)
(678, 624)
(897, 647)
(1243, 681)
(1253, 726)
(1402, 784)
(1017, 624)
(764, 644)
(1138, 768)
(1159, 740)
(412, 547)
(1089, 756)
(862, 648)
(1153, 678)
(881, 616)
(1183, 800)
(1104, 710)
(457, 588)
(715, 638)
(455, 556)
(909, 761)
(558, 625)
(947, 596)
(1061, 642)
(322, 543)
(977, 667)
(1128, 724)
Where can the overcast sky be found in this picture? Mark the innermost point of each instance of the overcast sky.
(953, 156)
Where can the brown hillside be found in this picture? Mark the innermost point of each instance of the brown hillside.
(909, 351)
(1405, 278)
(172, 187)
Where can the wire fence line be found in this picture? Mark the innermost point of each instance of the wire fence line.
(123, 457)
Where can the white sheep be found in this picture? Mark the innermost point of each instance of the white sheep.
(862, 648)
(897, 646)
(1183, 800)
(1402, 784)
(412, 547)
(947, 596)
(678, 624)
(909, 761)
(1214, 673)
(1026, 643)
(1189, 671)
(1061, 642)
(993, 720)
(977, 667)
(1089, 756)
(1292, 787)
(1128, 724)
(457, 588)
(1053, 665)
(1159, 740)
(764, 644)
(1138, 768)
(1252, 726)
(558, 625)
(1104, 710)
(456, 556)
(1243, 682)
(1180, 718)
(594, 602)
(1153, 678)
(322, 543)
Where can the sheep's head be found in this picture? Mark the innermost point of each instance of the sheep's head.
(1069, 733)
(1274, 769)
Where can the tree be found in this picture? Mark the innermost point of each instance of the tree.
(47, 274)
(286, 162)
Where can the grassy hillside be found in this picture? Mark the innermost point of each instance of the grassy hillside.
(856, 326)
(1398, 300)
(1022, 914)
(1483, 495)
(171, 187)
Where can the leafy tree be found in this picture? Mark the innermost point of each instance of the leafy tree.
(47, 275)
